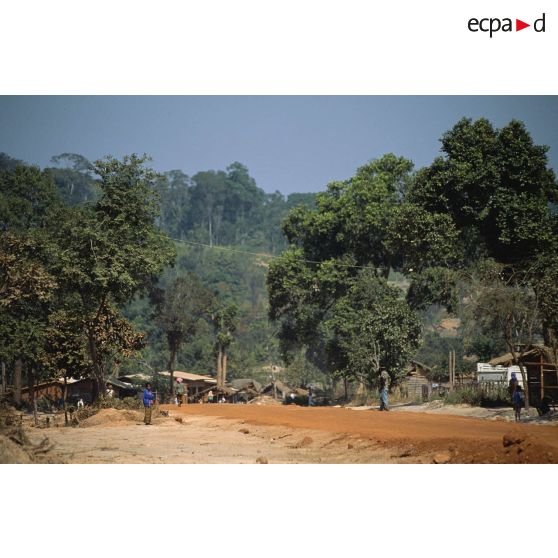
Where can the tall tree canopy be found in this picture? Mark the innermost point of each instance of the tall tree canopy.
(111, 251)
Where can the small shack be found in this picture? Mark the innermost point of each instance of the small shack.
(416, 384)
(542, 373)
(282, 390)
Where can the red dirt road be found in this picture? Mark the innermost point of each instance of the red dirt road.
(416, 435)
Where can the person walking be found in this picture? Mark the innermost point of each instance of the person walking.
(180, 390)
(310, 398)
(384, 387)
(148, 398)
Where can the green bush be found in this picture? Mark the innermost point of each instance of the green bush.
(469, 396)
(473, 395)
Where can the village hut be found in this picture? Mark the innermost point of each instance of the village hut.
(416, 384)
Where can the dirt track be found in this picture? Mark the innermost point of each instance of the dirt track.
(466, 440)
(223, 433)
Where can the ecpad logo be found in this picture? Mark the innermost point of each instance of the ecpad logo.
(493, 25)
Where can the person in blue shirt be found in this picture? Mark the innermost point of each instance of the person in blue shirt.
(148, 398)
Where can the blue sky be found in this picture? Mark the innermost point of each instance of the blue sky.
(290, 144)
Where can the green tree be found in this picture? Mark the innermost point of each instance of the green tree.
(29, 206)
(26, 291)
(339, 258)
(224, 318)
(504, 302)
(371, 328)
(111, 251)
(492, 191)
(179, 311)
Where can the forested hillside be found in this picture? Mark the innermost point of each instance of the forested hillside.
(224, 229)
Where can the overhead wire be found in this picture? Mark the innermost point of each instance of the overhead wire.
(261, 255)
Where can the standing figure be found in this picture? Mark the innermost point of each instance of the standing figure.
(517, 402)
(512, 385)
(310, 398)
(384, 387)
(148, 398)
(179, 392)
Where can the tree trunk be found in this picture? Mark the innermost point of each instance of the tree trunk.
(31, 387)
(97, 365)
(3, 378)
(224, 368)
(17, 380)
(219, 366)
(172, 361)
(524, 375)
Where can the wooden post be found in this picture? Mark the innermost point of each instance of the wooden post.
(452, 369)
(273, 381)
(542, 377)
(65, 397)
(449, 367)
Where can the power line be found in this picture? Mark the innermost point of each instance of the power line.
(260, 255)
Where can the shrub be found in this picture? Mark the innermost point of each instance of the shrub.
(473, 395)
(468, 395)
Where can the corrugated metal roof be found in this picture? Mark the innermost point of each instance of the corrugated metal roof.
(120, 384)
(189, 376)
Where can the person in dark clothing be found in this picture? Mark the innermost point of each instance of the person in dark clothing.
(384, 387)
(148, 398)
(512, 385)
(517, 402)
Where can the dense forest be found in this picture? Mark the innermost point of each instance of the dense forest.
(109, 267)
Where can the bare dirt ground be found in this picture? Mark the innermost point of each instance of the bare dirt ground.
(223, 433)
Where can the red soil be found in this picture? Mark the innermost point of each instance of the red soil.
(460, 439)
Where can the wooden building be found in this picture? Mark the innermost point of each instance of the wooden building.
(416, 384)
(54, 390)
(542, 373)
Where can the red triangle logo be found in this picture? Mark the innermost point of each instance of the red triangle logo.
(519, 25)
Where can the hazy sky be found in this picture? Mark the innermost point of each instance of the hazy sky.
(290, 144)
